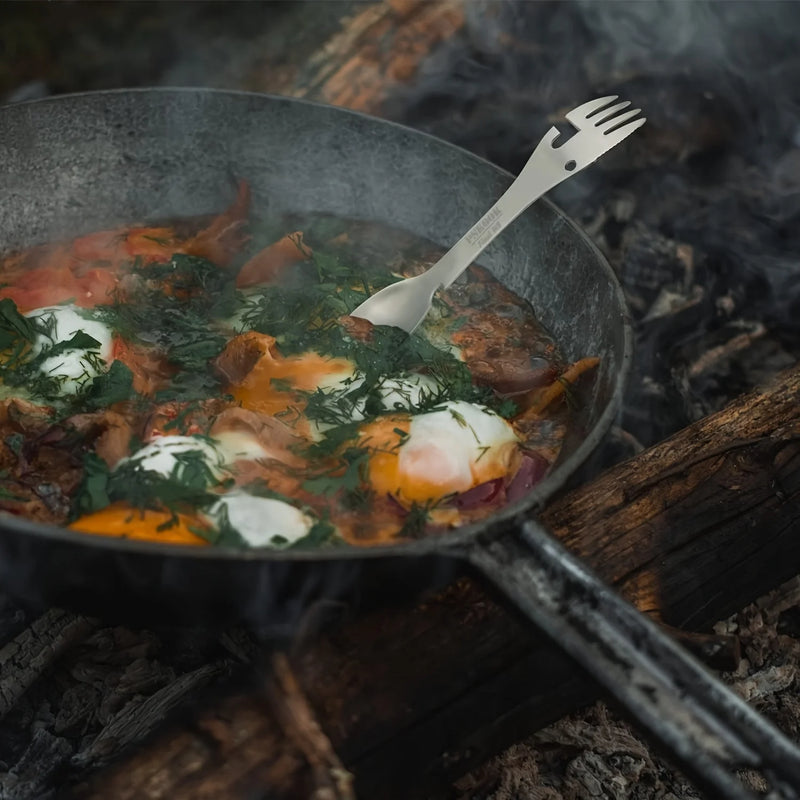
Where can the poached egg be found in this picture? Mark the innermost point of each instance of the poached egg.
(424, 458)
(72, 367)
(259, 521)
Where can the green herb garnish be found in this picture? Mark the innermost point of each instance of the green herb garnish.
(109, 387)
(14, 328)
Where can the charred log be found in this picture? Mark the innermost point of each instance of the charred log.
(27, 656)
(450, 682)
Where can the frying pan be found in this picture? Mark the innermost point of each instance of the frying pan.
(74, 164)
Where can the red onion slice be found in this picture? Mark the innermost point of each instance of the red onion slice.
(479, 495)
(532, 469)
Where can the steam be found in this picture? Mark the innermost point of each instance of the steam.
(713, 178)
(715, 173)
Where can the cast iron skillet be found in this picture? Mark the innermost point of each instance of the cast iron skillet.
(74, 164)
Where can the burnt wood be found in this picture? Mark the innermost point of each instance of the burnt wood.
(23, 659)
(689, 531)
(358, 58)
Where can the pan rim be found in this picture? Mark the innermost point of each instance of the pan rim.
(455, 540)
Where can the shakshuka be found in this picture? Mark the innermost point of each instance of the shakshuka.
(201, 382)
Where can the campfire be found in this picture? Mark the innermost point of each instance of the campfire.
(688, 509)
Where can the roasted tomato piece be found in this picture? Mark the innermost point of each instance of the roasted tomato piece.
(225, 236)
(49, 286)
(267, 265)
(150, 369)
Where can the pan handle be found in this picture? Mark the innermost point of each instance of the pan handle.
(708, 730)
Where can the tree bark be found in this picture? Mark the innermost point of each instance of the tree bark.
(689, 531)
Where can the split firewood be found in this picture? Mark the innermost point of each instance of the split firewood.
(293, 712)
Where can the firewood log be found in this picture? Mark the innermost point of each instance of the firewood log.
(689, 531)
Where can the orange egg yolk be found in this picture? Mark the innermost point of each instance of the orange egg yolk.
(421, 469)
(264, 388)
(121, 520)
(387, 475)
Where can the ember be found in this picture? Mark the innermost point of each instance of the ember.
(699, 218)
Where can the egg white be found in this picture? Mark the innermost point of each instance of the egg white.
(407, 392)
(448, 450)
(219, 453)
(261, 521)
(459, 435)
(237, 445)
(163, 456)
(73, 368)
(473, 426)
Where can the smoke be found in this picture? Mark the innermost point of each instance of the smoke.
(519, 60)
(713, 179)
(715, 173)
(745, 52)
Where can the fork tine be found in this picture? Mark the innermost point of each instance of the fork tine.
(610, 124)
(615, 137)
(601, 116)
(582, 112)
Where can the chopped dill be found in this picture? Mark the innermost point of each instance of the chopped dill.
(415, 522)
(158, 240)
(281, 385)
(14, 328)
(458, 417)
(185, 489)
(223, 534)
(179, 322)
(506, 408)
(93, 494)
(321, 532)
(14, 442)
(347, 475)
(32, 343)
(109, 387)
(333, 440)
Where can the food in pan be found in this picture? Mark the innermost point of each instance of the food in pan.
(201, 382)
